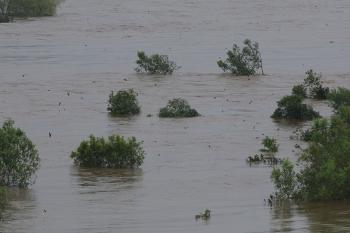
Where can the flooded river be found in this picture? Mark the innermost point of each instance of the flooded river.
(89, 49)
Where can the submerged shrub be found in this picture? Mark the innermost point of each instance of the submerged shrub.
(123, 103)
(291, 107)
(27, 8)
(270, 145)
(339, 97)
(154, 64)
(285, 180)
(19, 159)
(114, 152)
(314, 85)
(243, 62)
(299, 90)
(178, 108)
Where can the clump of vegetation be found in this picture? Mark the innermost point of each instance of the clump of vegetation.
(325, 173)
(285, 181)
(314, 85)
(268, 152)
(123, 103)
(115, 152)
(299, 90)
(292, 107)
(3, 198)
(155, 64)
(26, 8)
(203, 215)
(243, 62)
(19, 159)
(339, 97)
(178, 108)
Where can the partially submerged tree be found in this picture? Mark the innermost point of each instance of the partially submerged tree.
(314, 85)
(178, 108)
(243, 62)
(114, 152)
(154, 64)
(299, 90)
(19, 159)
(123, 103)
(325, 171)
(292, 107)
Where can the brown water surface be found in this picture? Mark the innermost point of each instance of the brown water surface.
(89, 49)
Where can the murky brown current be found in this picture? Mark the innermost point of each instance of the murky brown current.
(89, 49)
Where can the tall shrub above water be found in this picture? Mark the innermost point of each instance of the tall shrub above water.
(114, 152)
(246, 61)
(154, 64)
(123, 103)
(19, 159)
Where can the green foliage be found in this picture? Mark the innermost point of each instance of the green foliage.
(285, 181)
(3, 198)
(28, 8)
(178, 108)
(314, 86)
(339, 97)
(299, 90)
(19, 159)
(124, 103)
(291, 107)
(115, 152)
(155, 64)
(243, 62)
(325, 172)
(270, 145)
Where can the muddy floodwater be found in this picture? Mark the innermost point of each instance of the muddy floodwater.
(56, 74)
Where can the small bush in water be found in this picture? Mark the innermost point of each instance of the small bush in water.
(270, 145)
(314, 84)
(27, 8)
(123, 103)
(339, 97)
(291, 107)
(115, 152)
(243, 62)
(19, 159)
(285, 180)
(299, 90)
(178, 108)
(154, 64)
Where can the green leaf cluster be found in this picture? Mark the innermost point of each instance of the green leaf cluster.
(19, 159)
(114, 152)
(178, 108)
(339, 97)
(246, 61)
(123, 103)
(292, 107)
(155, 64)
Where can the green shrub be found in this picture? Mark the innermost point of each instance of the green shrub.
(3, 198)
(285, 180)
(243, 62)
(28, 8)
(155, 64)
(124, 103)
(339, 97)
(325, 172)
(314, 85)
(19, 159)
(178, 108)
(270, 145)
(115, 152)
(299, 90)
(291, 107)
